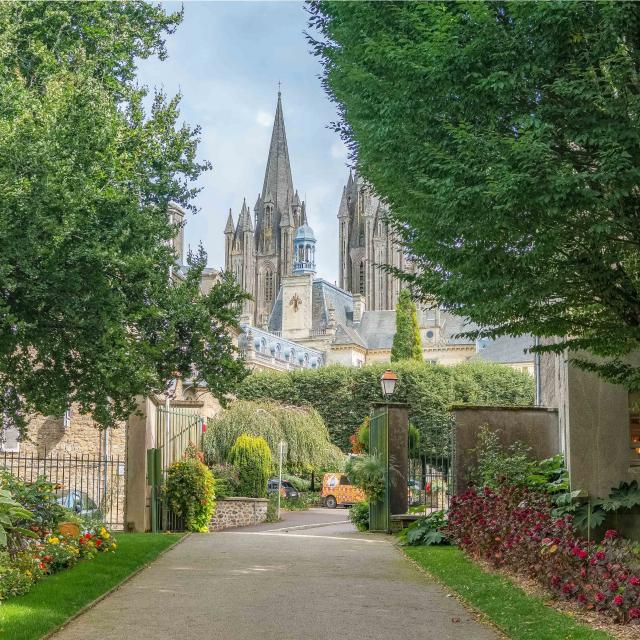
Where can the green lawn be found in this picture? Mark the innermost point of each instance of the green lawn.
(520, 616)
(56, 598)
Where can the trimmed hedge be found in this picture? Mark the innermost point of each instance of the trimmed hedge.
(343, 395)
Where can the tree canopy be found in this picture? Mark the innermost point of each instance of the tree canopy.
(505, 138)
(407, 344)
(87, 314)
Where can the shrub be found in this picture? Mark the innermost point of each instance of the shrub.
(426, 531)
(514, 528)
(252, 456)
(308, 445)
(369, 473)
(227, 481)
(13, 582)
(343, 395)
(190, 493)
(272, 508)
(39, 498)
(359, 515)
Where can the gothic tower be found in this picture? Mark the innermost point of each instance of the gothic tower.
(260, 259)
(365, 242)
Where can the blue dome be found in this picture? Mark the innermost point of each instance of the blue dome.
(305, 232)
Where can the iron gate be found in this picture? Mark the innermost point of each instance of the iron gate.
(175, 431)
(379, 447)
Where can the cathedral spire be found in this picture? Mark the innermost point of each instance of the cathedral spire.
(277, 176)
(229, 227)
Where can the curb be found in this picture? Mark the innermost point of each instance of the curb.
(93, 603)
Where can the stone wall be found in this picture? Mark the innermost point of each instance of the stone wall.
(238, 512)
(534, 427)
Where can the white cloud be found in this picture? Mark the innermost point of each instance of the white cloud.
(264, 119)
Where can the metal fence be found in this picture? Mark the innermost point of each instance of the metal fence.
(87, 483)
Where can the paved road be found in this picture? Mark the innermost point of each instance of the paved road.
(310, 577)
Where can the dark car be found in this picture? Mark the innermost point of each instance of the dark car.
(287, 490)
(79, 502)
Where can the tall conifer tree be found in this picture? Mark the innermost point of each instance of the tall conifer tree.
(407, 344)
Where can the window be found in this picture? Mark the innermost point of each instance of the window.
(362, 278)
(268, 286)
(344, 480)
(430, 335)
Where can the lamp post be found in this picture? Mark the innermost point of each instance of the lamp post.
(388, 382)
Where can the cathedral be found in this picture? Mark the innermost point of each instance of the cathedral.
(296, 319)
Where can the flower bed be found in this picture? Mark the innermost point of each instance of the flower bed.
(40, 537)
(513, 528)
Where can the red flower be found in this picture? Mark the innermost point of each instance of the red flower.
(582, 554)
(618, 600)
(610, 534)
(98, 542)
(600, 597)
(600, 555)
(43, 566)
(635, 581)
(634, 613)
(87, 536)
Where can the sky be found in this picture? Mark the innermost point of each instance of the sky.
(226, 59)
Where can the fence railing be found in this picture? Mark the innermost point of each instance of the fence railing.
(90, 485)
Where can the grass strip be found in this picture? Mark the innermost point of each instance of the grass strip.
(56, 598)
(519, 615)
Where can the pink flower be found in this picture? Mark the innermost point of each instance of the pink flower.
(600, 597)
(610, 534)
(600, 555)
(634, 580)
(582, 554)
(634, 613)
(618, 600)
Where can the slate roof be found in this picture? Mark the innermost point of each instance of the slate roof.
(506, 349)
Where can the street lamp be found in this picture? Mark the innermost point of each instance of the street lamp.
(388, 383)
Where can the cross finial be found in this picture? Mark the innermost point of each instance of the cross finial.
(279, 86)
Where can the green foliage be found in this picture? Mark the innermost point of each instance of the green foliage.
(190, 493)
(516, 199)
(302, 428)
(414, 441)
(227, 480)
(87, 315)
(299, 483)
(343, 395)
(359, 515)
(272, 508)
(513, 465)
(39, 498)
(252, 457)
(369, 473)
(407, 344)
(593, 513)
(12, 515)
(426, 531)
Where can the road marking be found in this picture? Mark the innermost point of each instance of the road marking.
(302, 535)
(310, 526)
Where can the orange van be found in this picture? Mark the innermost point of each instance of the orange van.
(337, 491)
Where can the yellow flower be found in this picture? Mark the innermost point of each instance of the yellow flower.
(106, 535)
(114, 546)
(54, 540)
(103, 531)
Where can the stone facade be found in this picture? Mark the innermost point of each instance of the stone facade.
(238, 512)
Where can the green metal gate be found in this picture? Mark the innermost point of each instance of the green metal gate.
(379, 446)
(175, 431)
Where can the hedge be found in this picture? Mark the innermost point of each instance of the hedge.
(252, 457)
(343, 395)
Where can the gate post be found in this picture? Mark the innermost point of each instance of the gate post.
(389, 440)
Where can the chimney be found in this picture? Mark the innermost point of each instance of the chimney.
(359, 307)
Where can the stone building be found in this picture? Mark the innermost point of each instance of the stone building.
(365, 243)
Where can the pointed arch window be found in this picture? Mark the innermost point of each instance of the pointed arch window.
(267, 216)
(362, 278)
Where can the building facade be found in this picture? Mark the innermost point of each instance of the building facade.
(366, 242)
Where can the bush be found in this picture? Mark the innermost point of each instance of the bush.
(308, 445)
(369, 473)
(426, 531)
(343, 395)
(190, 493)
(39, 498)
(227, 481)
(13, 582)
(252, 456)
(513, 527)
(272, 508)
(359, 515)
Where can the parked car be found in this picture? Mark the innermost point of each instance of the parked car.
(287, 490)
(79, 502)
(337, 490)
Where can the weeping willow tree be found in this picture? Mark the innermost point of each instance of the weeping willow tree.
(302, 428)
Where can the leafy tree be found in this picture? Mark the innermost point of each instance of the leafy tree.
(87, 314)
(252, 456)
(504, 136)
(407, 344)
